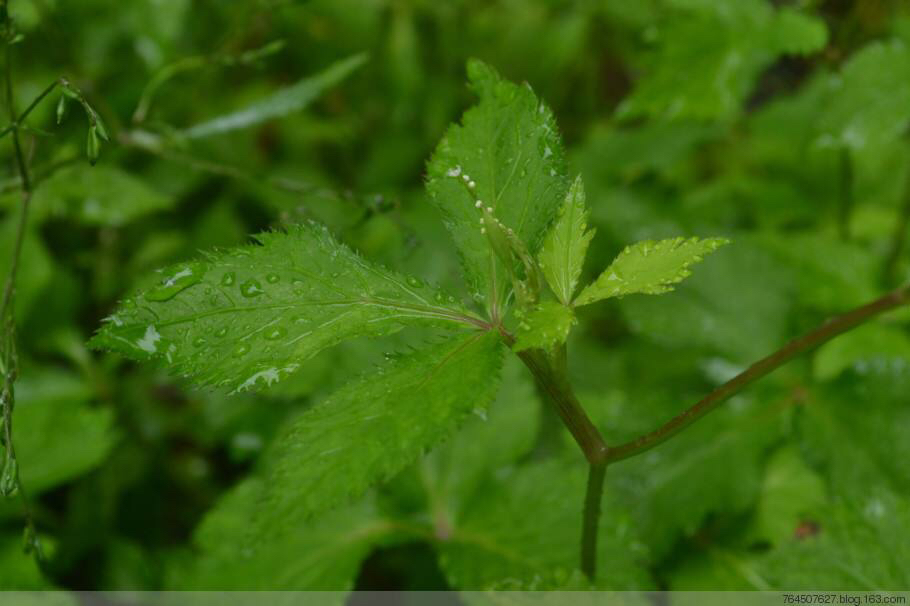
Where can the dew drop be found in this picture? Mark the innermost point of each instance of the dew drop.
(228, 279)
(440, 298)
(251, 288)
(414, 282)
(272, 278)
(199, 341)
(178, 281)
(276, 333)
(241, 350)
(221, 331)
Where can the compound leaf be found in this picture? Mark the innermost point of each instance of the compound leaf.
(248, 317)
(373, 428)
(281, 103)
(649, 267)
(508, 147)
(565, 245)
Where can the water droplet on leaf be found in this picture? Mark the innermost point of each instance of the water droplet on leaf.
(251, 288)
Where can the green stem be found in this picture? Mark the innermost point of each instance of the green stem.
(591, 518)
(760, 369)
(899, 239)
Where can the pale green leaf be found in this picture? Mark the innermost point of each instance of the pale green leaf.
(58, 435)
(649, 268)
(565, 245)
(247, 317)
(521, 532)
(508, 146)
(281, 103)
(323, 554)
(376, 426)
(96, 195)
(544, 327)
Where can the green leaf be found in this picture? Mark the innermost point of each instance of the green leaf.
(247, 317)
(281, 103)
(649, 268)
(521, 532)
(868, 103)
(565, 245)
(508, 146)
(544, 327)
(864, 345)
(324, 554)
(100, 195)
(374, 427)
(451, 474)
(18, 570)
(709, 53)
(58, 436)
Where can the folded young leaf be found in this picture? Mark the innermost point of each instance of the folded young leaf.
(544, 327)
(374, 427)
(506, 154)
(248, 317)
(649, 268)
(281, 103)
(565, 245)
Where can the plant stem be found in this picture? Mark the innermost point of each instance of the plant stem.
(760, 369)
(591, 518)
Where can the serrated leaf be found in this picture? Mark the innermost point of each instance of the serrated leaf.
(649, 268)
(58, 435)
(709, 54)
(374, 427)
(508, 146)
(100, 195)
(565, 245)
(324, 554)
(451, 474)
(247, 317)
(496, 543)
(281, 103)
(544, 327)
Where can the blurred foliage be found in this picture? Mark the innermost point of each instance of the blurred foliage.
(781, 125)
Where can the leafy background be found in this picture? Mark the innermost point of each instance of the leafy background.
(780, 125)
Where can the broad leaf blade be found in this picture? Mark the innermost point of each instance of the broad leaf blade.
(281, 103)
(565, 245)
(248, 317)
(376, 426)
(509, 147)
(649, 268)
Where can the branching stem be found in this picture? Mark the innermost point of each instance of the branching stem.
(552, 380)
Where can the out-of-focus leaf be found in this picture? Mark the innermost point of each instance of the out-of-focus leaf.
(35, 264)
(499, 540)
(508, 146)
(281, 103)
(710, 53)
(324, 554)
(870, 344)
(18, 570)
(58, 436)
(99, 195)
